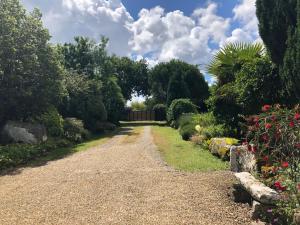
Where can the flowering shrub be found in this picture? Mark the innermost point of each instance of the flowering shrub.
(274, 138)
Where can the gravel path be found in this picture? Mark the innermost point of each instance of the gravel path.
(117, 183)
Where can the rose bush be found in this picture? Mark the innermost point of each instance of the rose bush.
(274, 137)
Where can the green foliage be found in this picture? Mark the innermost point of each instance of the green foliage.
(53, 121)
(137, 106)
(132, 76)
(160, 112)
(84, 100)
(204, 125)
(177, 79)
(74, 130)
(30, 73)
(179, 107)
(279, 27)
(113, 99)
(245, 78)
(230, 58)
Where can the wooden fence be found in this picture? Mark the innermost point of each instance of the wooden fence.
(145, 115)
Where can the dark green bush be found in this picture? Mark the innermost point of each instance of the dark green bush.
(187, 131)
(104, 126)
(53, 121)
(160, 112)
(179, 107)
(74, 130)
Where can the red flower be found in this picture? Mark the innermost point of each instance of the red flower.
(268, 125)
(266, 108)
(297, 116)
(292, 124)
(278, 186)
(298, 187)
(297, 145)
(254, 149)
(255, 119)
(284, 164)
(266, 158)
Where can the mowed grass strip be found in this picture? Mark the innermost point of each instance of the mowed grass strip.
(184, 155)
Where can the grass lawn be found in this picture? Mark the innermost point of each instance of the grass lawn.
(184, 155)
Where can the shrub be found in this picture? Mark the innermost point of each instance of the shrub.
(74, 130)
(274, 137)
(104, 126)
(187, 131)
(53, 121)
(179, 107)
(160, 112)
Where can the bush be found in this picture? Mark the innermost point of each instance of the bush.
(74, 130)
(160, 112)
(179, 107)
(273, 136)
(53, 121)
(204, 125)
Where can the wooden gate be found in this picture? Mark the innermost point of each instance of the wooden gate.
(145, 115)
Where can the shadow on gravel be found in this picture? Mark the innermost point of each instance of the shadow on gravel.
(142, 123)
(61, 153)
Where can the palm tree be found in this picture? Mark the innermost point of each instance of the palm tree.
(231, 57)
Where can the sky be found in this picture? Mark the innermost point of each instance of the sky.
(156, 30)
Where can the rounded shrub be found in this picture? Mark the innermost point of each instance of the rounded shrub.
(160, 112)
(74, 130)
(179, 107)
(53, 121)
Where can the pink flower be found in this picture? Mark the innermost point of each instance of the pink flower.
(268, 125)
(292, 124)
(284, 164)
(297, 116)
(266, 108)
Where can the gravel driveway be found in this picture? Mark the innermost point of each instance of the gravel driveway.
(118, 183)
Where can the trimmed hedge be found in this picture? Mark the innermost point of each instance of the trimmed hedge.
(179, 107)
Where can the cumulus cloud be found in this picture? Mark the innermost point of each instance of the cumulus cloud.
(245, 15)
(92, 18)
(170, 35)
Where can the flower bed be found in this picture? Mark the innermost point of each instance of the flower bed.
(274, 139)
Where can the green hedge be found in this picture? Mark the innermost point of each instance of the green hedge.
(179, 107)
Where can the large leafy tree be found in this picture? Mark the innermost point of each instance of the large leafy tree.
(132, 76)
(177, 79)
(279, 27)
(30, 74)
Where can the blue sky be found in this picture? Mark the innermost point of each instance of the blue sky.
(157, 30)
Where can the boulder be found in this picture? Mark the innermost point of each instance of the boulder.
(297, 218)
(256, 189)
(242, 160)
(221, 146)
(19, 132)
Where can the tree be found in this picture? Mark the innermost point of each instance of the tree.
(84, 99)
(113, 99)
(279, 25)
(132, 76)
(229, 59)
(30, 73)
(178, 79)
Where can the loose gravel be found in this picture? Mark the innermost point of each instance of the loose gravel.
(118, 183)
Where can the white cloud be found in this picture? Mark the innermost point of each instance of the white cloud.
(245, 14)
(92, 18)
(174, 35)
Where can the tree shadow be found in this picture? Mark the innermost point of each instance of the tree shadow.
(142, 123)
(64, 152)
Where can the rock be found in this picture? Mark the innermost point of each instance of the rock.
(221, 146)
(241, 160)
(27, 133)
(256, 189)
(297, 218)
